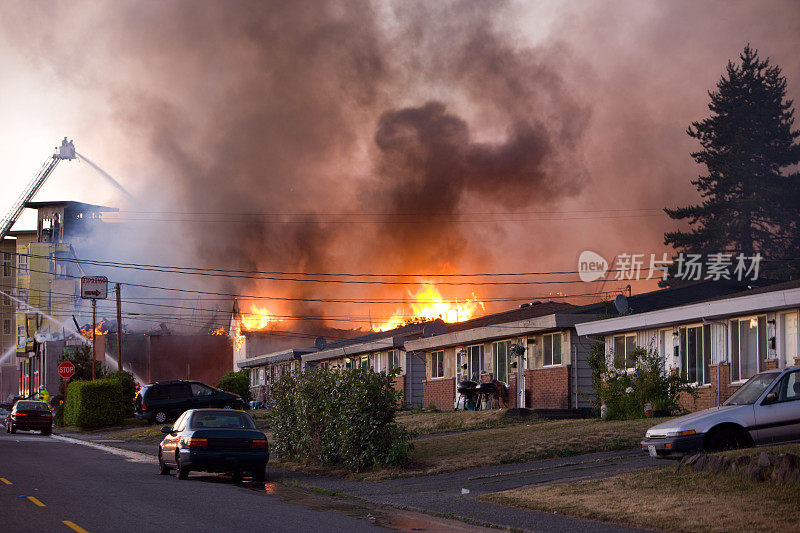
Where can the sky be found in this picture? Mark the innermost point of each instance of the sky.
(373, 137)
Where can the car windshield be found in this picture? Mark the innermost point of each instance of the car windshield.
(32, 406)
(222, 419)
(750, 391)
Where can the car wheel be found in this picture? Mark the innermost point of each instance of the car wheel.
(182, 471)
(163, 469)
(260, 473)
(723, 439)
(160, 417)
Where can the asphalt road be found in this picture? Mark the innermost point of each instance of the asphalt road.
(52, 484)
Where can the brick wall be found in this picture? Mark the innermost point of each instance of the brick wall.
(706, 396)
(440, 392)
(547, 388)
(399, 384)
(511, 399)
(797, 361)
(772, 364)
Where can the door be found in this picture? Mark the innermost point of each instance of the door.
(780, 421)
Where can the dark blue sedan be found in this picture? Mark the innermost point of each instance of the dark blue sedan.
(213, 440)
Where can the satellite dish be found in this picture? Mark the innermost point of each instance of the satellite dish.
(320, 343)
(621, 303)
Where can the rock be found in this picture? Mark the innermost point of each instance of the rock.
(739, 463)
(765, 459)
(700, 464)
(715, 464)
(755, 472)
(787, 468)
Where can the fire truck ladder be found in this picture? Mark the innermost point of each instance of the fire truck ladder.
(65, 151)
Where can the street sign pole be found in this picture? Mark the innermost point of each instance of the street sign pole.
(94, 327)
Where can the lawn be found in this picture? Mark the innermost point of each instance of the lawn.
(533, 439)
(427, 423)
(659, 498)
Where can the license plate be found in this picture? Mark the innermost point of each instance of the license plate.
(652, 450)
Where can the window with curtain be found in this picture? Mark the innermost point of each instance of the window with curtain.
(475, 358)
(551, 349)
(748, 347)
(437, 364)
(624, 347)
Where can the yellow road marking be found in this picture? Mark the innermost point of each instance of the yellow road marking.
(36, 502)
(73, 526)
(4, 480)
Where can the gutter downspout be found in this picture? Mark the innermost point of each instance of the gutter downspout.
(724, 324)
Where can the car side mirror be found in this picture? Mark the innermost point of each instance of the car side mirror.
(166, 430)
(770, 398)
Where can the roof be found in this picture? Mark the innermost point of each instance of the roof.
(772, 297)
(275, 357)
(538, 317)
(69, 203)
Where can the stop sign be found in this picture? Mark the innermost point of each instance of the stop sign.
(66, 370)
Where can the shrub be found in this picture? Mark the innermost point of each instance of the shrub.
(625, 392)
(344, 417)
(92, 404)
(128, 385)
(237, 383)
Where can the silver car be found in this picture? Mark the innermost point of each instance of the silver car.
(765, 410)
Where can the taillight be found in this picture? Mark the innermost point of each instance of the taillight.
(20, 414)
(195, 443)
(260, 444)
(47, 414)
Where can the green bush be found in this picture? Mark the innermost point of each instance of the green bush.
(626, 392)
(128, 385)
(81, 357)
(91, 404)
(339, 417)
(237, 383)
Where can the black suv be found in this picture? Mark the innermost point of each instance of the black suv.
(164, 400)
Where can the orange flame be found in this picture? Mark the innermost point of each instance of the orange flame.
(430, 305)
(258, 318)
(98, 330)
(218, 331)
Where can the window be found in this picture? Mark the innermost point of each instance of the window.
(695, 353)
(475, 361)
(6, 299)
(551, 349)
(501, 360)
(624, 347)
(348, 363)
(788, 336)
(394, 359)
(202, 390)
(21, 337)
(364, 361)
(260, 376)
(23, 264)
(437, 364)
(789, 387)
(7, 326)
(748, 347)
(22, 296)
(7, 265)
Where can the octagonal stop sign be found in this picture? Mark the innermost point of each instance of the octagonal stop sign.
(66, 370)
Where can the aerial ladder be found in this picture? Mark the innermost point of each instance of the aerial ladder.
(65, 151)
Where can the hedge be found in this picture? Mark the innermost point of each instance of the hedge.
(128, 384)
(339, 417)
(92, 404)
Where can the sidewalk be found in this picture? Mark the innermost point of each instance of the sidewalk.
(442, 494)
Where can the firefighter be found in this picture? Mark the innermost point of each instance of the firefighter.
(44, 396)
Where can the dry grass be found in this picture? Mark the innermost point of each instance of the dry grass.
(534, 439)
(659, 498)
(428, 423)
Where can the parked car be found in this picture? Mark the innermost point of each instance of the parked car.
(165, 400)
(213, 440)
(765, 410)
(30, 415)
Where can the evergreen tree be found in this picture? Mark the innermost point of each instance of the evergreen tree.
(749, 200)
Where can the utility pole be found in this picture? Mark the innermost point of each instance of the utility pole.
(119, 328)
(94, 328)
